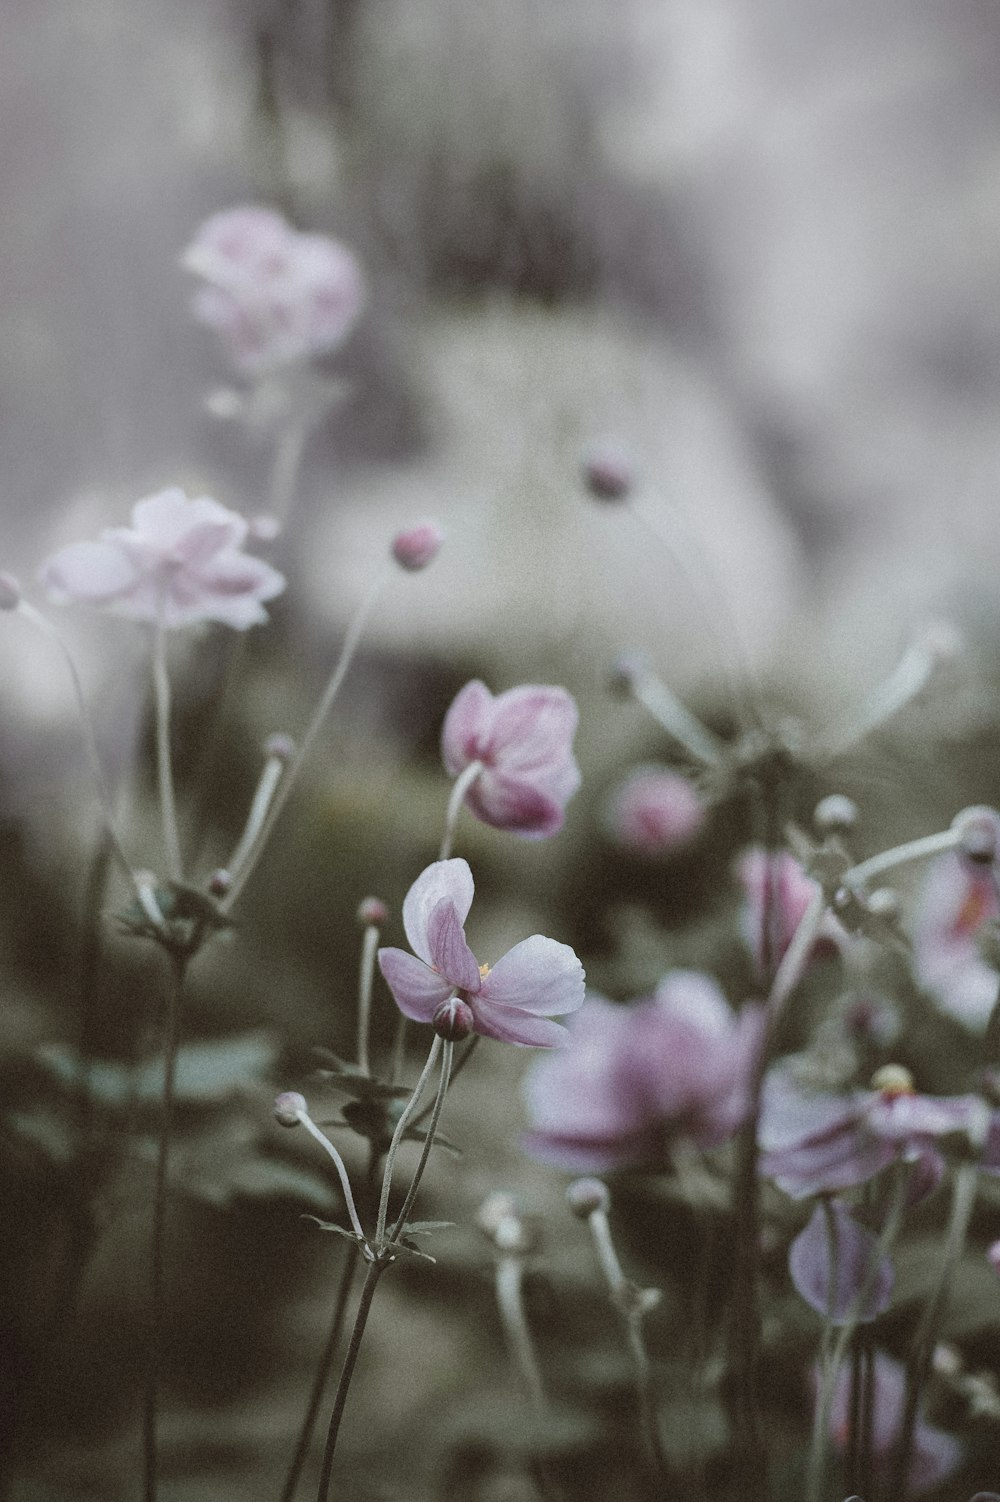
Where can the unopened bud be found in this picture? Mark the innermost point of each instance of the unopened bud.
(979, 831)
(883, 903)
(454, 1020)
(608, 472)
(417, 546)
(946, 1360)
(584, 1196)
(892, 1080)
(495, 1208)
(372, 912)
(220, 882)
(287, 1107)
(279, 747)
(625, 672)
(835, 814)
(10, 592)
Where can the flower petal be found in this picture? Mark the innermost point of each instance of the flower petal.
(853, 1266)
(518, 806)
(450, 954)
(451, 879)
(538, 975)
(466, 726)
(508, 1025)
(93, 572)
(416, 989)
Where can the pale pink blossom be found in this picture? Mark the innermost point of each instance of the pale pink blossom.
(777, 892)
(180, 563)
(831, 1278)
(276, 296)
(654, 811)
(524, 740)
(514, 1000)
(417, 546)
(957, 900)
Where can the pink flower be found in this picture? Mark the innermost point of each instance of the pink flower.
(777, 893)
(654, 811)
(524, 739)
(276, 296)
(958, 898)
(813, 1270)
(417, 546)
(935, 1453)
(636, 1078)
(536, 980)
(180, 563)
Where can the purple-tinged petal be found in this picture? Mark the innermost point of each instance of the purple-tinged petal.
(520, 807)
(533, 726)
(450, 954)
(508, 1025)
(89, 572)
(451, 879)
(538, 975)
(466, 726)
(832, 1288)
(416, 989)
(935, 1453)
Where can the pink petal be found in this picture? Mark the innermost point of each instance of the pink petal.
(451, 879)
(533, 724)
(450, 954)
(93, 572)
(812, 1272)
(518, 806)
(167, 519)
(511, 1026)
(538, 975)
(417, 990)
(466, 726)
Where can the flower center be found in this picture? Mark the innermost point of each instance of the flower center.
(893, 1080)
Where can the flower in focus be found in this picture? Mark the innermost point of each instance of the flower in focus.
(935, 1453)
(777, 892)
(524, 740)
(634, 1079)
(831, 1285)
(818, 1143)
(180, 563)
(276, 296)
(958, 898)
(513, 1001)
(654, 811)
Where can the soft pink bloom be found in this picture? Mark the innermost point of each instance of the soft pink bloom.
(958, 897)
(654, 811)
(777, 892)
(180, 562)
(812, 1269)
(276, 296)
(536, 980)
(417, 546)
(524, 739)
(634, 1079)
(935, 1453)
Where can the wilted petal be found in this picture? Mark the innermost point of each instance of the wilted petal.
(88, 572)
(511, 1026)
(444, 879)
(538, 975)
(417, 990)
(831, 1288)
(449, 952)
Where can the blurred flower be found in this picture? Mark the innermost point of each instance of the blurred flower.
(654, 811)
(417, 546)
(777, 892)
(275, 296)
(537, 979)
(817, 1143)
(812, 1271)
(959, 897)
(636, 1078)
(524, 739)
(935, 1453)
(179, 563)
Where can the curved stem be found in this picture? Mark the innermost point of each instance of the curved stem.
(910, 675)
(677, 720)
(341, 1168)
(458, 792)
(164, 766)
(901, 855)
(270, 778)
(369, 945)
(425, 1151)
(397, 1137)
(375, 1271)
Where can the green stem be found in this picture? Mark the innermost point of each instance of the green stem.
(462, 785)
(397, 1137)
(164, 767)
(428, 1143)
(375, 1271)
(369, 945)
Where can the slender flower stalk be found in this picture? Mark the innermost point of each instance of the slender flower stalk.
(164, 762)
(289, 449)
(458, 792)
(369, 947)
(397, 1137)
(400, 1223)
(908, 678)
(302, 1115)
(901, 855)
(510, 1301)
(270, 779)
(375, 1271)
(675, 718)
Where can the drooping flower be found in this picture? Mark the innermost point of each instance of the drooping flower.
(935, 1453)
(513, 1001)
(777, 892)
(654, 811)
(958, 898)
(276, 296)
(524, 740)
(635, 1079)
(831, 1284)
(180, 563)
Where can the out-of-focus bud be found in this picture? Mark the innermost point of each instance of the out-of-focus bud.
(584, 1196)
(417, 546)
(835, 814)
(372, 912)
(979, 831)
(10, 592)
(946, 1360)
(279, 747)
(220, 882)
(608, 471)
(883, 903)
(453, 1020)
(264, 528)
(625, 671)
(654, 811)
(892, 1080)
(287, 1107)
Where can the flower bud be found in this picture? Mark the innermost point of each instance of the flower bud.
(417, 546)
(372, 912)
(584, 1196)
(979, 831)
(883, 903)
(626, 670)
(892, 1080)
(220, 882)
(608, 472)
(287, 1107)
(454, 1020)
(835, 814)
(993, 1256)
(10, 592)
(279, 747)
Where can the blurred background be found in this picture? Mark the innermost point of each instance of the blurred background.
(753, 244)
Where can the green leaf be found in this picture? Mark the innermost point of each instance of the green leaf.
(425, 1227)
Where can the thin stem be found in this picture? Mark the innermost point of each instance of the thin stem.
(509, 1286)
(470, 1049)
(677, 720)
(397, 1137)
(164, 766)
(795, 958)
(350, 646)
(458, 792)
(341, 1168)
(901, 855)
(375, 1271)
(270, 777)
(158, 1249)
(288, 451)
(369, 945)
(910, 675)
(425, 1151)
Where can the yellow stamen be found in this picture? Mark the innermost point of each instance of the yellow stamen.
(893, 1080)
